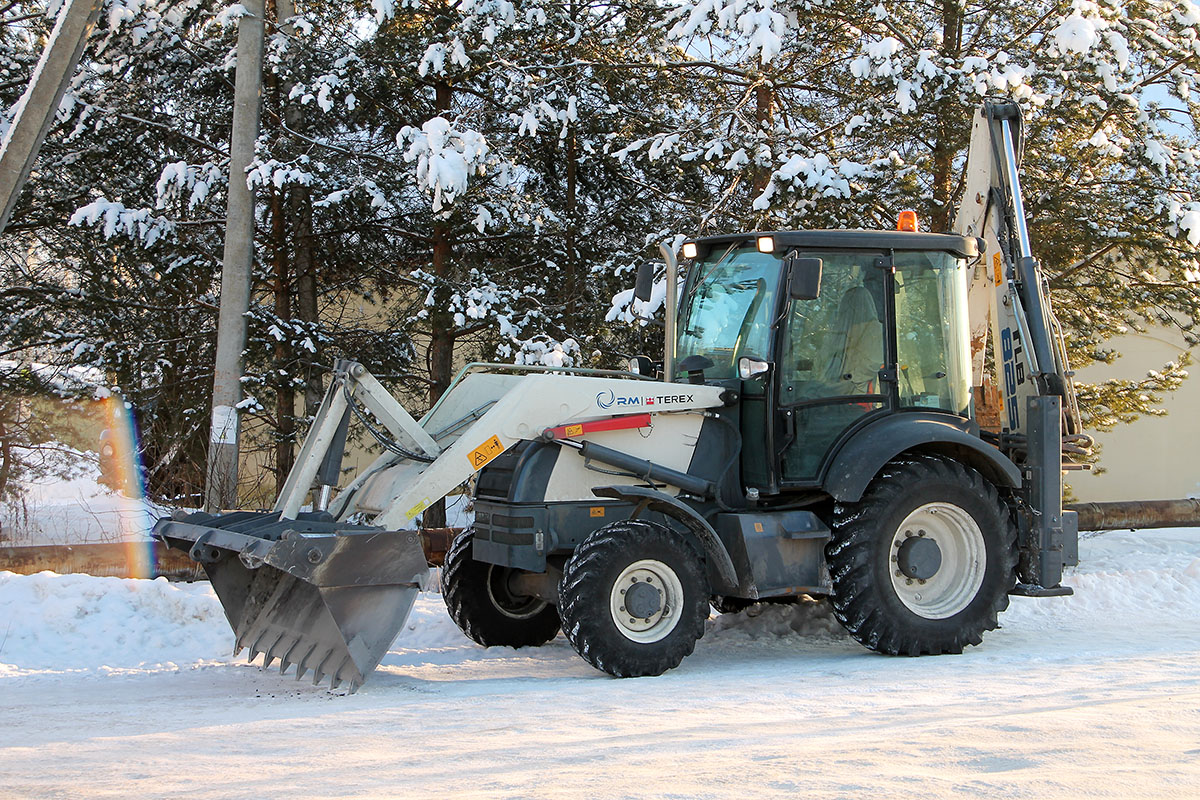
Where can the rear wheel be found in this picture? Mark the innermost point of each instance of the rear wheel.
(633, 599)
(924, 562)
(482, 603)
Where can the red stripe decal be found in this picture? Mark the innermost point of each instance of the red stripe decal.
(612, 424)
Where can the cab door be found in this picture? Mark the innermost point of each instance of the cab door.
(832, 359)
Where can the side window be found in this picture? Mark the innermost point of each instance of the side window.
(932, 340)
(832, 352)
(834, 345)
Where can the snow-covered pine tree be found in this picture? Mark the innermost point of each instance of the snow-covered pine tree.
(842, 113)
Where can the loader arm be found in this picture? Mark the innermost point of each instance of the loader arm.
(520, 408)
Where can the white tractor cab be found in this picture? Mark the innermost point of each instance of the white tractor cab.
(810, 431)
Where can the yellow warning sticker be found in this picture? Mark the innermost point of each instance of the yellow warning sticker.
(597, 511)
(419, 507)
(758, 527)
(481, 455)
(574, 430)
(996, 265)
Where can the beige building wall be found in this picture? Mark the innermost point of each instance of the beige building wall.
(1154, 458)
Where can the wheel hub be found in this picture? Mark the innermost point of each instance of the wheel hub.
(919, 557)
(938, 559)
(642, 600)
(507, 601)
(645, 601)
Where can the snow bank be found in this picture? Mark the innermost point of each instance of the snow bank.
(1130, 587)
(1129, 583)
(79, 622)
(775, 620)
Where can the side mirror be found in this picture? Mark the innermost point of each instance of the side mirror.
(804, 276)
(751, 367)
(644, 284)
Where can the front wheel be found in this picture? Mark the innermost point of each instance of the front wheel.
(924, 562)
(633, 599)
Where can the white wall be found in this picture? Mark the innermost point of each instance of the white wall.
(1154, 458)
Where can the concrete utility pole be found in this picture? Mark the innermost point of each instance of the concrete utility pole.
(221, 488)
(40, 101)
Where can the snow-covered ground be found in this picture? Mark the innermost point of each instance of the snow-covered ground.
(121, 688)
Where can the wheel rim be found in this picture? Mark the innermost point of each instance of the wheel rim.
(516, 606)
(658, 623)
(957, 578)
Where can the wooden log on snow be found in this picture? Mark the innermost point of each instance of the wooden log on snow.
(122, 560)
(1137, 514)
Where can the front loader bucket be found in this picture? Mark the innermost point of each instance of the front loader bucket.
(321, 595)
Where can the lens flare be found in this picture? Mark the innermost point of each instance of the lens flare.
(121, 463)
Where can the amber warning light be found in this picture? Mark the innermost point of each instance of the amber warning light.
(907, 221)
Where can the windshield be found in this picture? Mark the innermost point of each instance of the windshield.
(726, 313)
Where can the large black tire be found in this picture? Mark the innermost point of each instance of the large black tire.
(903, 597)
(595, 584)
(482, 605)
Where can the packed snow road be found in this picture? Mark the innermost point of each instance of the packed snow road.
(112, 688)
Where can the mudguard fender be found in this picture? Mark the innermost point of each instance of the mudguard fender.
(861, 458)
(652, 500)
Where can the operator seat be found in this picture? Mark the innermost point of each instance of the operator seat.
(856, 345)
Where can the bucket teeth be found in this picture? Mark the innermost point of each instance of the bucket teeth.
(285, 659)
(270, 656)
(318, 673)
(302, 667)
(337, 675)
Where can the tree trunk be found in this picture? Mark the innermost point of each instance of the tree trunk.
(764, 115)
(285, 393)
(947, 125)
(573, 281)
(300, 213)
(306, 294)
(574, 302)
(442, 334)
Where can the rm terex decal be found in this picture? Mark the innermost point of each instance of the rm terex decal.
(609, 399)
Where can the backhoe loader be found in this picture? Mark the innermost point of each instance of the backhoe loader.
(811, 430)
